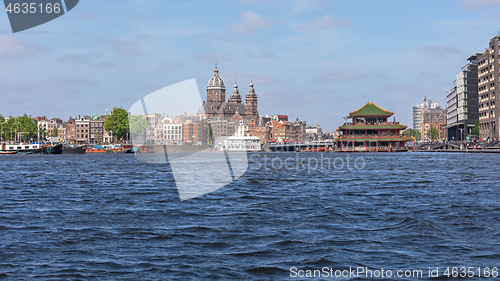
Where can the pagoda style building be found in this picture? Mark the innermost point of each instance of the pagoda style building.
(371, 131)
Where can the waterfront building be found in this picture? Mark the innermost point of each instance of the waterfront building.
(314, 133)
(194, 130)
(154, 131)
(370, 130)
(488, 90)
(173, 131)
(52, 124)
(298, 130)
(280, 129)
(262, 132)
(435, 117)
(41, 123)
(82, 129)
(70, 129)
(462, 104)
(96, 128)
(61, 132)
(222, 127)
(418, 112)
(242, 125)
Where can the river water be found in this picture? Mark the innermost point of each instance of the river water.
(109, 217)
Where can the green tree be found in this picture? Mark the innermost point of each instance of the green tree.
(117, 122)
(475, 131)
(2, 130)
(55, 132)
(28, 128)
(138, 123)
(433, 133)
(412, 133)
(19, 128)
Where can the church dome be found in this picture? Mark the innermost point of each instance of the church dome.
(216, 82)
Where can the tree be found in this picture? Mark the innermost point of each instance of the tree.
(2, 134)
(433, 133)
(55, 132)
(18, 128)
(28, 126)
(138, 123)
(412, 133)
(117, 122)
(475, 131)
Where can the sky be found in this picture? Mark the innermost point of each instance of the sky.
(313, 60)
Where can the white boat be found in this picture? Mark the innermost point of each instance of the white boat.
(20, 148)
(239, 144)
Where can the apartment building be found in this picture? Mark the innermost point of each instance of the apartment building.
(462, 105)
(488, 90)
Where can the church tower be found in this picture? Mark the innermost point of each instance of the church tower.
(216, 91)
(251, 100)
(235, 97)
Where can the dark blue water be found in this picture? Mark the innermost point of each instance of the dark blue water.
(108, 217)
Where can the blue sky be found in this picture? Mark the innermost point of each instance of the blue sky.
(313, 60)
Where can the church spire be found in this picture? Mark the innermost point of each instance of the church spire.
(251, 101)
(235, 97)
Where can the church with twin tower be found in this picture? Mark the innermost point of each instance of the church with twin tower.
(217, 106)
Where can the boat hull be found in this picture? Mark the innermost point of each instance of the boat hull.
(73, 150)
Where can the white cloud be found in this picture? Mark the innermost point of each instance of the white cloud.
(250, 22)
(10, 47)
(302, 6)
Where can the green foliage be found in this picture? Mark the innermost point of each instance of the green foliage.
(138, 123)
(15, 127)
(412, 133)
(433, 133)
(117, 122)
(475, 131)
(55, 132)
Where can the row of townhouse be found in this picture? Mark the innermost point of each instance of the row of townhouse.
(199, 129)
(84, 129)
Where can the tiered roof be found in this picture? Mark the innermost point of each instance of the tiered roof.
(370, 109)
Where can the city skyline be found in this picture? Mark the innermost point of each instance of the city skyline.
(308, 60)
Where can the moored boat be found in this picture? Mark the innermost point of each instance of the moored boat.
(108, 149)
(29, 148)
(74, 149)
(22, 148)
(52, 149)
